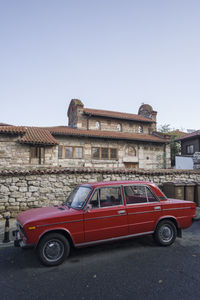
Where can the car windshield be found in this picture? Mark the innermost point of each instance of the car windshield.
(78, 197)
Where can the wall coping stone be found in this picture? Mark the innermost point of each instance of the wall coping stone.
(63, 170)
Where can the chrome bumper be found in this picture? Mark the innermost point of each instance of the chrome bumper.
(18, 242)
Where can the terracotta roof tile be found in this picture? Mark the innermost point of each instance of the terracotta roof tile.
(30, 135)
(65, 130)
(4, 124)
(13, 129)
(116, 115)
(37, 136)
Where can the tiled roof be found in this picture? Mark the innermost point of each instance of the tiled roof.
(4, 124)
(38, 136)
(190, 135)
(116, 115)
(45, 135)
(31, 135)
(13, 129)
(68, 131)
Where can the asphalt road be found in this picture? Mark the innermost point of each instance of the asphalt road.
(134, 269)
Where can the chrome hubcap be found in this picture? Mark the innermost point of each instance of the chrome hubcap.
(166, 233)
(53, 250)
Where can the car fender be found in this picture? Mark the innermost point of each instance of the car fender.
(56, 229)
(167, 217)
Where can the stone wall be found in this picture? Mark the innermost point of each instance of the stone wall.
(14, 154)
(146, 156)
(24, 189)
(112, 125)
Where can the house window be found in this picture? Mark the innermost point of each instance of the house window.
(113, 153)
(104, 153)
(98, 125)
(190, 149)
(60, 151)
(38, 153)
(95, 152)
(68, 152)
(140, 129)
(78, 152)
(119, 127)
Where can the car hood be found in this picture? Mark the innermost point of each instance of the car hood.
(38, 216)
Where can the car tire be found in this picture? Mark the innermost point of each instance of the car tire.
(53, 249)
(165, 233)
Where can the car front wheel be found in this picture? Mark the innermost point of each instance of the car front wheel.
(165, 233)
(53, 249)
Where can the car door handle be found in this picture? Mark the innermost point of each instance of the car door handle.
(157, 208)
(120, 212)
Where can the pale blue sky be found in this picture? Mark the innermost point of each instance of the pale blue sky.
(111, 54)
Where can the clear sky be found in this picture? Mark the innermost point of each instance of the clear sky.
(111, 54)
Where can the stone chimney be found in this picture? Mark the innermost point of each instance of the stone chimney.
(75, 112)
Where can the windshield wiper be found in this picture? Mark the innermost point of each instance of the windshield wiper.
(68, 204)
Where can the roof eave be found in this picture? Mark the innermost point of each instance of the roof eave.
(109, 137)
(119, 118)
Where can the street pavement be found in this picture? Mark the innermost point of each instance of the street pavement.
(131, 269)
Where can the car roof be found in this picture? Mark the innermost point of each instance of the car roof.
(117, 182)
(152, 185)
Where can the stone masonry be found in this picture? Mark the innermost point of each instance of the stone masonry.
(24, 189)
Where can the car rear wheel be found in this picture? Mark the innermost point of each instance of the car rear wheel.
(53, 249)
(165, 233)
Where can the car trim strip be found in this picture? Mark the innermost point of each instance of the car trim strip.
(106, 217)
(59, 223)
(144, 212)
(113, 239)
(177, 208)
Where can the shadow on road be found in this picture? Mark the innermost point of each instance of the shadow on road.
(12, 258)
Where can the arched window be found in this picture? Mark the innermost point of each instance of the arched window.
(131, 151)
(119, 127)
(140, 129)
(98, 125)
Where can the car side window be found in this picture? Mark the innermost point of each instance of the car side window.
(106, 196)
(135, 194)
(150, 195)
(138, 194)
(94, 200)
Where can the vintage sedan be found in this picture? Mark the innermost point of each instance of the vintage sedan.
(102, 212)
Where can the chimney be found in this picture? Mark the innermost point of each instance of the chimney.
(74, 113)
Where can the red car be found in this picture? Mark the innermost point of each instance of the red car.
(101, 212)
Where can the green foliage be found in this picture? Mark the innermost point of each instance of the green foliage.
(164, 128)
(174, 145)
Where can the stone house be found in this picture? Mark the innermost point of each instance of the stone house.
(93, 138)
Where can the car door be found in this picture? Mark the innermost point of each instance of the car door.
(106, 218)
(143, 208)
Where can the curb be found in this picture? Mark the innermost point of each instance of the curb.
(6, 245)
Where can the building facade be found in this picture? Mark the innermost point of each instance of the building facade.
(93, 139)
(190, 151)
